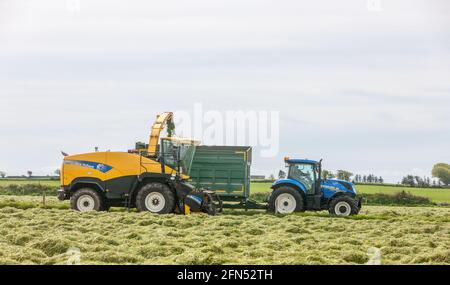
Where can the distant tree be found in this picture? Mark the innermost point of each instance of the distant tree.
(442, 172)
(272, 177)
(380, 180)
(409, 180)
(344, 174)
(29, 173)
(364, 179)
(327, 174)
(2, 174)
(57, 172)
(281, 174)
(375, 179)
(418, 181)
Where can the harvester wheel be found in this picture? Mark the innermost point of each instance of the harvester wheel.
(155, 197)
(285, 200)
(86, 200)
(343, 206)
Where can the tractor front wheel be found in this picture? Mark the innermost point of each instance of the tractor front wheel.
(286, 200)
(343, 206)
(157, 198)
(86, 200)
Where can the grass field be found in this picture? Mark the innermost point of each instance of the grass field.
(404, 235)
(5, 182)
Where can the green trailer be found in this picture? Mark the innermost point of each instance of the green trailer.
(225, 170)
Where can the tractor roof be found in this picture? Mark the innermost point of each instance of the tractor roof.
(307, 161)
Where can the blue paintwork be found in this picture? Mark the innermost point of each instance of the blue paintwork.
(307, 161)
(195, 198)
(331, 187)
(289, 182)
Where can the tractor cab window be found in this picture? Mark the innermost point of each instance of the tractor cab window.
(303, 173)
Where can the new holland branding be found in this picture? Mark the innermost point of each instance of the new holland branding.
(94, 165)
(332, 188)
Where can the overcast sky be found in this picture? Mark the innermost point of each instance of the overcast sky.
(365, 86)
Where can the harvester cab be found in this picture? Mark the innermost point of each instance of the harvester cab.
(304, 189)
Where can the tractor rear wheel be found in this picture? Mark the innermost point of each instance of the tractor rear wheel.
(286, 200)
(86, 200)
(155, 197)
(343, 206)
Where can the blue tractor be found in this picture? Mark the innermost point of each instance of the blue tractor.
(304, 189)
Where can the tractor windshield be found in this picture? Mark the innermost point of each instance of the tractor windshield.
(178, 153)
(303, 173)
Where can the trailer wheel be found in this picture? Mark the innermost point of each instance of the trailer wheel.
(86, 200)
(343, 206)
(157, 198)
(286, 200)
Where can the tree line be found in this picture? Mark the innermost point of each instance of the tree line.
(347, 176)
(29, 174)
(441, 171)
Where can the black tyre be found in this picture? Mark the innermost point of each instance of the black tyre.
(86, 200)
(211, 209)
(106, 206)
(343, 206)
(157, 198)
(285, 200)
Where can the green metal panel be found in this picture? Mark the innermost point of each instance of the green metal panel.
(224, 169)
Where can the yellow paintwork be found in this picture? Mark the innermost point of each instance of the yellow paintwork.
(187, 209)
(157, 127)
(122, 163)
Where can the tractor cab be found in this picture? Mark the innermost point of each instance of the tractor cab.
(306, 172)
(308, 175)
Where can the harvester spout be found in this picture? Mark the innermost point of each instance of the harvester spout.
(161, 121)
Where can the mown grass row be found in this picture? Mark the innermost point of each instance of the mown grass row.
(404, 235)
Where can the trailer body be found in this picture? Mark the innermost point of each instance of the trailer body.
(224, 170)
